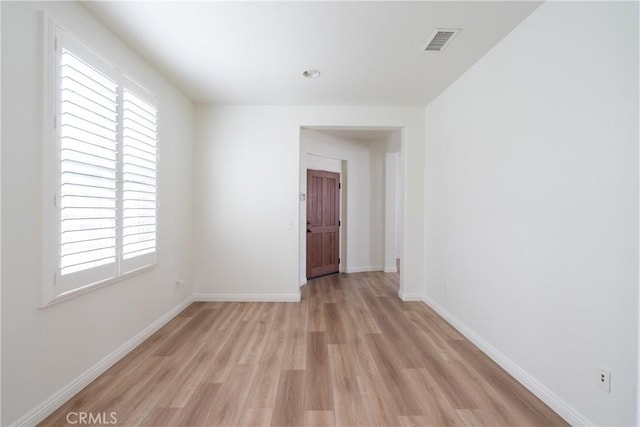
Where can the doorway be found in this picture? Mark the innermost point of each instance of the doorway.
(371, 163)
(323, 223)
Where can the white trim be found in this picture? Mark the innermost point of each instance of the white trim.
(364, 269)
(90, 287)
(47, 407)
(390, 270)
(49, 152)
(247, 297)
(555, 402)
(410, 297)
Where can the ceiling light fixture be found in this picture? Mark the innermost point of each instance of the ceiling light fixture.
(311, 74)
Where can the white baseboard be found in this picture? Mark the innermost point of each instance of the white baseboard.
(364, 269)
(562, 408)
(390, 270)
(46, 408)
(405, 296)
(247, 297)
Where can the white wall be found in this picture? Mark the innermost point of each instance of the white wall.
(43, 350)
(532, 203)
(363, 204)
(323, 163)
(255, 152)
(391, 204)
(394, 141)
(0, 217)
(399, 208)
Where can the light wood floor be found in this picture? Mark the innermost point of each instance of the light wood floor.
(351, 353)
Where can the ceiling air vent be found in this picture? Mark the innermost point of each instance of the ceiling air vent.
(440, 39)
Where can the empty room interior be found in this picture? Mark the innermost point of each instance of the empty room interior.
(370, 213)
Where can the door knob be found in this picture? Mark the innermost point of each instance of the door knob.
(309, 226)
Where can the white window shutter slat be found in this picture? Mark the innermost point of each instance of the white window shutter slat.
(88, 191)
(139, 163)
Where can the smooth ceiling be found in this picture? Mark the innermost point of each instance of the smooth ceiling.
(369, 53)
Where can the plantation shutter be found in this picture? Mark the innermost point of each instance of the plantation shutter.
(139, 162)
(101, 169)
(88, 131)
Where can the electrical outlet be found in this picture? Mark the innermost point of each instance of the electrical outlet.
(179, 283)
(604, 380)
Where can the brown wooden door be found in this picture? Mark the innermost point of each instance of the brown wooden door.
(323, 214)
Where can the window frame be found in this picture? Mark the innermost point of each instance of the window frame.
(52, 292)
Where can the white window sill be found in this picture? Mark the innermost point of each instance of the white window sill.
(93, 286)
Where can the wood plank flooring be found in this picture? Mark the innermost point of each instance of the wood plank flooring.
(351, 353)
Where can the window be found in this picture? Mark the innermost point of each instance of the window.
(100, 172)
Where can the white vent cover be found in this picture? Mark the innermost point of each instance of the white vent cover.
(440, 39)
